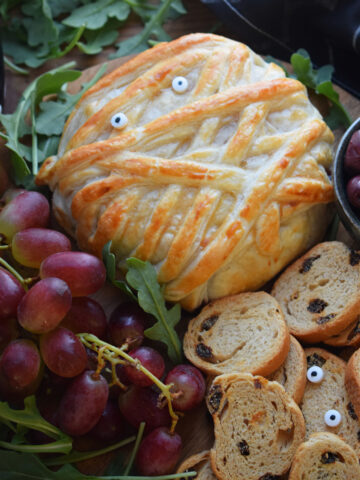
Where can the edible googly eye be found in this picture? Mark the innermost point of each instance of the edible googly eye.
(180, 84)
(315, 374)
(119, 120)
(332, 418)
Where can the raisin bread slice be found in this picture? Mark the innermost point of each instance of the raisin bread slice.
(325, 456)
(292, 373)
(201, 464)
(350, 337)
(352, 381)
(319, 293)
(241, 333)
(329, 394)
(257, 425)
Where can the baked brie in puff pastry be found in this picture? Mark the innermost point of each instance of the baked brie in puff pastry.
(201, 158)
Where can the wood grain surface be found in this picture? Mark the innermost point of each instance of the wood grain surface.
(196, 426)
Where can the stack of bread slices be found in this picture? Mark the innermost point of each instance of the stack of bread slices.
(284, 406)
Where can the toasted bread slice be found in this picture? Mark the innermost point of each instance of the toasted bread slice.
(241, 333)
(292, 373)
(325, 456)
(352, 381)
(329, 394)
(258, 427)
(350, 337)
(201, 464)
(319, 293)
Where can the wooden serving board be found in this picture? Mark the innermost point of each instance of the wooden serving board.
(195, 428)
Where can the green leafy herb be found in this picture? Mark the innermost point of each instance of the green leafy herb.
(319, 81)
(40, 121)
(44, 29)
(20, 421)
(110, 265)
(143, 278)
(15, 466)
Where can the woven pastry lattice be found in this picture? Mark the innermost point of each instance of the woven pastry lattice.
(207, 184)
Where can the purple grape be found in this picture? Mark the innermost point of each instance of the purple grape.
(8, 331)
(31, 246)
(353, 191)
(189, 387)
(159, 452)
(151, 360)
(141, 405)
(110, 427)
(84, 273)
(11, 292)
(44, 305)
(86, 316)
(20, 365)
(352, 155)
(126, 325)
(63, 352)
(83, 403)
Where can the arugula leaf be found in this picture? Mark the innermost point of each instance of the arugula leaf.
(110, 265)
(319, 81)
(30, 418)
(97, 39)
(142, 277)
(15, 466)
(95, 14)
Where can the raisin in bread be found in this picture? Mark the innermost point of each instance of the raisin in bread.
(320, 293)
(257, 425)
(292, 373)
(329, 394)
(350, 337)
(325, 456)
(241, 333)
(201, 464)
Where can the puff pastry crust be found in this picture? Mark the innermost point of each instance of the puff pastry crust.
(219, 186)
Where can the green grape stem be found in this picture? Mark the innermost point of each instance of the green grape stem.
(111, 354)
(16, 274)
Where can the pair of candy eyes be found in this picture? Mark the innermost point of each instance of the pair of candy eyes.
(179, 85)
(315, 374)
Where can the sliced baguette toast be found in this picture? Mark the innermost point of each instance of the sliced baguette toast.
(292, 373)
(241, 333)
(352, 381)
(201, 464)
(320, 293)
(350, 337)
(329, 394)
(257, 425)
(325, 456)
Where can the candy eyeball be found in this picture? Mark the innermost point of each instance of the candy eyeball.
(315, 374)
(180, 84)
(332, 418)
(119, 120)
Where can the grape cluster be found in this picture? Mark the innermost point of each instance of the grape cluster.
(352, 167)
(43, 321)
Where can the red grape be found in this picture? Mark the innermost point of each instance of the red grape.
(353, 191)
(189, 387)
(352, 155)
(83, 403)
(141, 405)
(111, 424)
(126, 326)
(63, 352)
(151, 360)
(159, 452)
(8, 331)
(86, 316)
(11, 193)
(44, 305)
(25, 210)
(11, 292)
(84, 273)
(31, 246)
(20, 365)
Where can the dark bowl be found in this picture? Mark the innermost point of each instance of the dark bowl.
(347, 214)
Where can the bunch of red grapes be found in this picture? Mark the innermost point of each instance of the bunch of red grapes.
(42, 355)
(352, 167)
